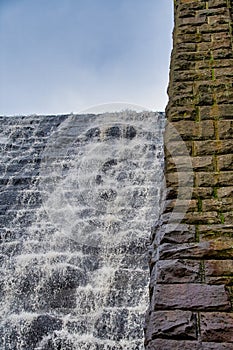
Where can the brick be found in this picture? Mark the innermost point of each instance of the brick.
(193, 38)
(182, 113)
(228, 218)
(169, 233)
(202, 218)
(192, 21)
(225, 192)
(215, 248)
(225, 129)
(215, 64)
(172, 324)
(181, 205)
(225, 178)
(203, 179)
(211, 147)
(190, 297)
(205, 163)
(189, 75)
(210, 232)
(176, 271)
(226, 72)
(224, 97)
(179, 179)
(214, 11)
(178, 148)
(226, 111)
(225, 162)
(192, 5)
(168, 344)
(195, 192)
(216, 327)
(193, 130)
(217, 3)
(226, 204)
(222, 54)
(216, 268)
(206, 179)
(214, 27)
(218, 20)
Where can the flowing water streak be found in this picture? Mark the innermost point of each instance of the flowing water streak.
(82, 279)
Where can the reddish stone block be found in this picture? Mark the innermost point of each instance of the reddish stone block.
(190, 297)
(172, 324)
(216, 327)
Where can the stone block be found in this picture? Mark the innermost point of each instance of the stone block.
(216, 3)
(182, 113)
(181, 205)
(216, 327)
(170, 233)
(190, 297)
(209, 232)
(214, 28)
(218, 20)
(225, 162)
(225, 192)
(222, 54)
(226, 111)
(216, 346)
(205, 179)
(228, 218)
(225, 96)
(211, 147)
(179, 179)
(176, 271)
(172, 324)
(214, 248)
(205, 163)
(225, 129)
(167, 344)
(193, 38)
(202, 218)
(219, 267)
(178, 148)
(193, 130)
(225, 178)
(226, 204)
(192, 75)
(192, 21)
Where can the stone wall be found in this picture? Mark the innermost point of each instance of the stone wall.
(191, 288)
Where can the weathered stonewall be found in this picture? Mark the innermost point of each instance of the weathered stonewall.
(191, 264)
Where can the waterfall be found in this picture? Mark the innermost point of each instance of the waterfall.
(79, 195)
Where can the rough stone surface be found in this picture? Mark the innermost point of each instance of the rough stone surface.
(216, 327)
(192, 248)
(165, 344)
(170, 324)
(190, 297)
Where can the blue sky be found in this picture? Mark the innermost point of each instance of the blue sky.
(62, 56)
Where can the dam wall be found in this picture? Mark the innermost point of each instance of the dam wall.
(191, 288)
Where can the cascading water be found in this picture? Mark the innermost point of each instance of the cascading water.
(79, 195)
